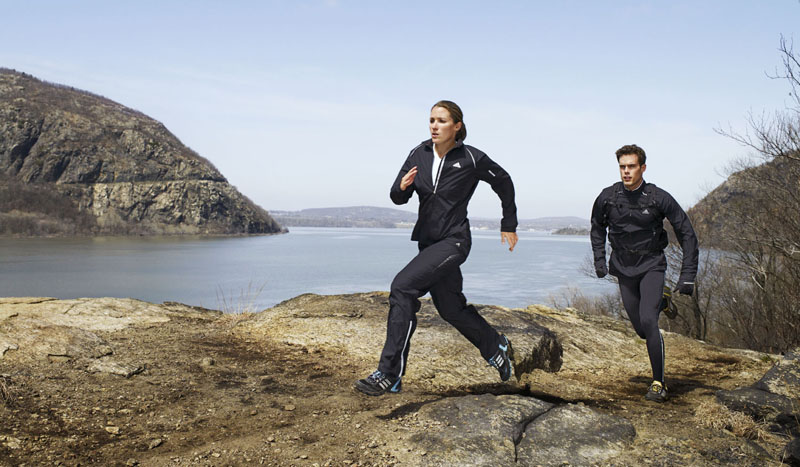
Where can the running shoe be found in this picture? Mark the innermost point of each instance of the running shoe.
(657, 392)
(667, 306)
(503, 359)
(378, 384)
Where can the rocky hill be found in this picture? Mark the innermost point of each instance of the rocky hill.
(123, 382)
(719, 216)
(73, 163)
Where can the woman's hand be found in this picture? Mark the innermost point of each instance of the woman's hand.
(511, 238)
(408, 178)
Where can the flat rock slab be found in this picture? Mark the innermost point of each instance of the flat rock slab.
(354, 327)
(506, 430)
(574, 435)
(106, 365)
(35, 327)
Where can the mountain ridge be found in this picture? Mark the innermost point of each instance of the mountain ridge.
(123, 171)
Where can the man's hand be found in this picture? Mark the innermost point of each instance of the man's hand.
(600, 268)
(685, 288)
(511, 238)
(408, 178)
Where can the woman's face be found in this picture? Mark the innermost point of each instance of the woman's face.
(443, 128)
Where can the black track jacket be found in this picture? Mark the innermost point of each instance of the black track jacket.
(635, 222)
(443, 205)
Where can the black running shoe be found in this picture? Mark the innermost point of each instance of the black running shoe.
(667, 306)
(378, 384)
(503, 359)
(657, 392)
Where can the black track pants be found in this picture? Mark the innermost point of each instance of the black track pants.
(641, 296)
(435, 269)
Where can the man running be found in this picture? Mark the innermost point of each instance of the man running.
(633, 212)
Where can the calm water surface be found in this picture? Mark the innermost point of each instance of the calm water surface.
(259, 272)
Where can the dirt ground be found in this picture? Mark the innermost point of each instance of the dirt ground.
(205, 397)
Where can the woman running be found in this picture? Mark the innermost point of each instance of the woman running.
(444, 172)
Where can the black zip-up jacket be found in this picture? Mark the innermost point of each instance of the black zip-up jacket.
(635, 223)
(443, 205)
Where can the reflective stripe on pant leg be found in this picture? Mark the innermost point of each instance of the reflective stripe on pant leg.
(405, 346)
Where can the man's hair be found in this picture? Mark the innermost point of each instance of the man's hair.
(632, 149)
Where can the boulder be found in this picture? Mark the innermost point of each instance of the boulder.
(784, 378)
(507, 430)
(574, 435)
(354, 327)
(474, 430)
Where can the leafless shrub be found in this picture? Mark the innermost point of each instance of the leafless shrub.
(246, 302)
(608, 304)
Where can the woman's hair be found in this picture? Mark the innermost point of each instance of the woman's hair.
(456, 114)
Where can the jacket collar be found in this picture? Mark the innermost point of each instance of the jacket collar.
(429, 144)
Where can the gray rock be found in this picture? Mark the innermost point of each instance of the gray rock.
(576, 435)
(762, 405)
(791, 453)
(106, 365)
(783, 379)
(475, 430)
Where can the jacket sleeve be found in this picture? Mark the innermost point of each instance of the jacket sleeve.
(500, 181)
(686, 237)
(397, 195)
(599, 227)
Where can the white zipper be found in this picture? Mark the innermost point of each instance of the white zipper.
(439, 173)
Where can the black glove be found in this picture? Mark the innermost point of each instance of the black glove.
(600, 268)
(685, 288)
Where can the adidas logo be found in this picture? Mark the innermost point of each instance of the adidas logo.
(457, 165)
(645, 211)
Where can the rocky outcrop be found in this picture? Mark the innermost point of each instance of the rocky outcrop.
(774, 399)
(122, 168)
(104, 381)
(360, 324)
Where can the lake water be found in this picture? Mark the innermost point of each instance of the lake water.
(258, 272)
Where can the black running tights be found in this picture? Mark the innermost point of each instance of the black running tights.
(641, 297)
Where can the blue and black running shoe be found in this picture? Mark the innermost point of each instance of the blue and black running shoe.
(503, 359)
(378, 384)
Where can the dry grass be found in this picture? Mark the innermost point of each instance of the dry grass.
(5, 391)
(246, 303)
(711, 414)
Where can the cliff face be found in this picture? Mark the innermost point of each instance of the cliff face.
(124, 170)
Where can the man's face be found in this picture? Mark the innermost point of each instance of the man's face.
(630, 171)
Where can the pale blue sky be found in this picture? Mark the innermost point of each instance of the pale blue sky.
(316, 103)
